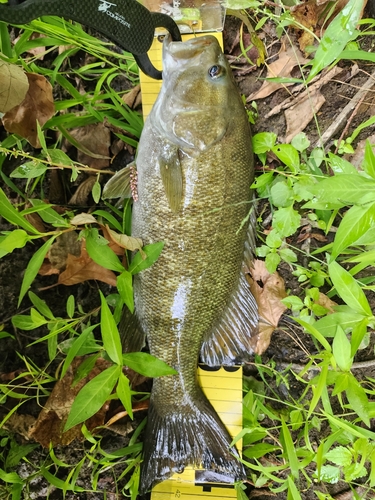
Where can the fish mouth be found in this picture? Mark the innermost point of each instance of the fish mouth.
(188, 49)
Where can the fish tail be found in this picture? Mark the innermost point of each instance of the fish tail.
(188, 435)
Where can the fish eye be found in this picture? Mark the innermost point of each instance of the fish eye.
(216, 71)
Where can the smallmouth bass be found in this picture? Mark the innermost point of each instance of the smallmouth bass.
(195, 168)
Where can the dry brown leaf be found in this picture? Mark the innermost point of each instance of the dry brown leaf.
(13, 86)
(133, 98)
(96, 139)
(326, 302)
(281, 68)
(20, 424)
(125, 241)
(51, 420)
(299, 116)
(38, 106)
(268, 290)
(112, 244)
(83, 268)
(81, 196)
(82, 219)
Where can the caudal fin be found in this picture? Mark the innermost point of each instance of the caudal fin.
(187, 435)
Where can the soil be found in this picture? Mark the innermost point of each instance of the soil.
(283, 350)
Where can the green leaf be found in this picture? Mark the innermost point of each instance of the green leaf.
(124, 394)
(286, 221)
(288, 255)
(272, 261)
(48, 214)
(293, 493)
(281, 194)
(300, 142)
(92, 396)
(26, 322)
(259, 450)
(264, 142)
(147, 365)
(33, 267)
(327, 326)
(368, 163)
(41, 305)
(110, 334)
(343, 189)
(329, 474)
(152, 252)
(16, 239)
(288, 155)
(339, 32)
(356, 222)
(340, 456)
(358, 399)
(10, 477)
(289, 449)
(29, 170)
(98, 249)
(70, 306)
(12, 215)
(75, 348)
(96, 191)
(125, 288)
(358, 334)
(348, 289)
(341, 350)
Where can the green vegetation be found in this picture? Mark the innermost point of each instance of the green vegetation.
(308, 185)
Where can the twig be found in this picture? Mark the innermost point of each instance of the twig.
(342, 117)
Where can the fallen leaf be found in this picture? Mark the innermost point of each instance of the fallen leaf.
(20, 424)
(268, 290)
(83, 191)
(51, 420)
(133, 98)
(95, 138)
(288, 59)
(37, 105)
(13, 86)
(82, 219)
(326, 302)
(124, 241)
(299, 116)
(83, 268)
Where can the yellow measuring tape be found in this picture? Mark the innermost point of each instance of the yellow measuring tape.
(222, 386)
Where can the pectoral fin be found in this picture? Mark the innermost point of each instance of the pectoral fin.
(171, 175)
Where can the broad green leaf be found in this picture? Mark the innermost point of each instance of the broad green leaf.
(147, 365)
(341, 350)
(41, 305)
(24, 322)
(356, 222)
(75, 348)
(110, 334)
(272, 261)
(124, 394)
(358, 399)
(92, 396)
(98, 249)
(281, 194)
(29, 170)
(340, 166)
(10, 477)
(327, 326)
(339, 32)
(264, 142)
(300, 142)
(96, 192)
(288, 155)
(152, 252)
(348, 289)
(13, 216)
(329, 474)
(286, 221)
(33, 267)
(344, 189)
(289, 449)
(16, 239)
(59, 158)
(340, 456)
(368, 163)
(70, 306)
(125, 289)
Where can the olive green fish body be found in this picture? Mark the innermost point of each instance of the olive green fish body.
(195, 168)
